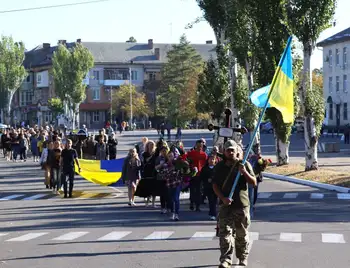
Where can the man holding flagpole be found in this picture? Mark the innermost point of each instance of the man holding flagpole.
(234, 217)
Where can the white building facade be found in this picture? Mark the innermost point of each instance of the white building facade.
(336, 76)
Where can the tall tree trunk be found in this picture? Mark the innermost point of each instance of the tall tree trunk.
(282, 151)
(9, 98)
(250, 78)
(311, 161)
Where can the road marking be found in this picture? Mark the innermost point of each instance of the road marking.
(70, 236)
(112, 236)
(203, 236)
(26, 237)
(264, 195)
(184, 196)
(88, 195)
(343, 196)
(333, 238)
(35, 197)
(3, 234)
(253, 236)
(290, 195)
(10, 197)
(158, 235)
(290, 237)
(316, 196)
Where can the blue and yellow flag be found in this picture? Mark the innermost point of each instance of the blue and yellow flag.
(105, 172)
(281, 96)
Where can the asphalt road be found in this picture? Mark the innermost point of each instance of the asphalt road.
(294, 226)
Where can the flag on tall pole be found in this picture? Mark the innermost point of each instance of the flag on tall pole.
(281, 95)
(278, 95)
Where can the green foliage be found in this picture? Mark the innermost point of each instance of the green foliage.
(178, 94)
(249, 112)
(70, 67)
(56, 105)
(121, 102)
(212, 90)
(308, 18)
(314, 101)
(131, 40)
(12, 71)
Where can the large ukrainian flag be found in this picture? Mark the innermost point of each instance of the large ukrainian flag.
(281, 95)
(105, 172)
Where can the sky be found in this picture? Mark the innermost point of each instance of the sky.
(163, 21)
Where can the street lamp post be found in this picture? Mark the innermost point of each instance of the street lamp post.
(111, 109)
(130, 85)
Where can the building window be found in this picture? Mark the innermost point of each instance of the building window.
(38, 78)
(48, 117)
(96, 116)
(337, 57)
(337, 83)
(330, 85)
(345, 83)
(133, 75)
(96, 75)
(28, 79)
(345, 60)
(330, 58)
(152, 76)
(331, 111)
(96, 93)
(345, 115)
(25, 98)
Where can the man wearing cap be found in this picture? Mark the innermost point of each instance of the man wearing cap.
(234, 217)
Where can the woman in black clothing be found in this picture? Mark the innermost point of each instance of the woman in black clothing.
(112, 147)
(148, 185)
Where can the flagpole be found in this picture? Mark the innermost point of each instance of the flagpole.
(261, 116)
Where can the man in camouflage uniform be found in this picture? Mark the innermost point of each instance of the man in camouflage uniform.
(234, 217)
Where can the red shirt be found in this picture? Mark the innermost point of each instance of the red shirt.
(199, 159)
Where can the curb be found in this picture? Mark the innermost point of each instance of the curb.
(320, 185)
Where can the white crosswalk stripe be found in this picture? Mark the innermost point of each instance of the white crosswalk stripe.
(203, 236)
(70, 236)
(284, 237)
(343, 196)
(159, 235)
(316, 196)
(35, 197)
(26, 237)
(10, 197)
(290, 237)
(113, 236)
(264, 195)
(290, 195)
(333, 238)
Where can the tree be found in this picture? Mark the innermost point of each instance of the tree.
(56, 106)
(70, 67)
(131, 40)
(121, 102)
(12, 73)
(212, 95)
(307, 19)
(178, 94)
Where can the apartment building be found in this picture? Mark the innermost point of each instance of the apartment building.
(115, 64)
(336, 73)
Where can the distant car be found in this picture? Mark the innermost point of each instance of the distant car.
(266, 128)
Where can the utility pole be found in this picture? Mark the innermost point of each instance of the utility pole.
(111, 110)
(130, 85)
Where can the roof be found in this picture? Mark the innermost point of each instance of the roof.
(116, 53)
(337, 38)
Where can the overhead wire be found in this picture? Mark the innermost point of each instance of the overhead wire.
(52, 6)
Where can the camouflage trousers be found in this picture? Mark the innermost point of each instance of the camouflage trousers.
(233, 233)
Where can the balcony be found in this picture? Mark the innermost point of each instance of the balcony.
(27, 86)
(111, 82)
